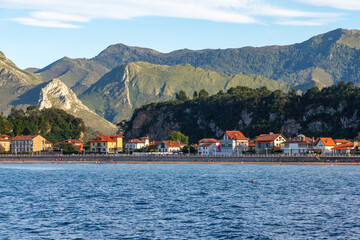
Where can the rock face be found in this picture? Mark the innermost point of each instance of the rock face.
(56, 94)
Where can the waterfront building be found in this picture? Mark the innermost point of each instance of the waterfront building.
(119, 142)
(170, 146)
(146, 140)
(297, 145)
(208, 146)
(267, 142)
(325, 145)
(133, 144)
(28, 143)
(104, 144)
(78, 145)
(48, 145)
(343, 149)
(233, 142)
(5, 143)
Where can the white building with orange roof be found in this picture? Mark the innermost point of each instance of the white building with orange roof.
(267, 142)
(170, 146)
(298, 145)
(5, 143)
(133, 144)
(324, 144)
(343, 149)
(208, 146)
(233, 142)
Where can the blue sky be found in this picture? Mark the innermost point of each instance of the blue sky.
(36, 33)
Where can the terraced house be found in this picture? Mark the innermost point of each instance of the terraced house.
(28, 143)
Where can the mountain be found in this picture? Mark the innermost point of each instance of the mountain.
(129, 86)
(13, 82)
(77, 74)
(321, 60)
(332, 111)
(56, 94)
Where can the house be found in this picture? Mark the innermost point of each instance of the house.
(105, 144)
(342, 141)
(267, 142)
(343, 149)
(233, 142)
(208, 146)
(48, 145)
(146, 140)
(5, 143)
(325, 145)
(170, 146)
(133, 144)
(78, 145)
(119, 142)
(297, 145)
(27, 144)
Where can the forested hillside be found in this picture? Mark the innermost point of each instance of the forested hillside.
(332, 111)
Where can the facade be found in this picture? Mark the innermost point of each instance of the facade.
(170, 146)
(5, 143)
(233, 142)
(103, 144)
(78, 145)
(208, 146)
(324, 144)
(119, 142)
(27, 144)
(298, 145)
(133, 144)
(267, 142)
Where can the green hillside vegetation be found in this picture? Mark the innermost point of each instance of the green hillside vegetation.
(129, 86)
(53, 124)
(333, 111)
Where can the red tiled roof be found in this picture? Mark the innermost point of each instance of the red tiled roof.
(341, 141)
(144, 138)
(4, 140)
(4, 136)
(102, 138)
(300, 140)
(134, 141)
(236, 135)
(47, 142)
(209, 140)
(170, 143)
(344, 146)
(117, 136)
(71, 141)
(24, 137)
(263, 138)
(251, 143)
(326, 141)
(155, 143)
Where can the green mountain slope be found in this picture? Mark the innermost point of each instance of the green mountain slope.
(129, 86)
(334, 112)
(77, 74)
(335, 53)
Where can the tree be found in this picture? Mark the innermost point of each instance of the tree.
(203, 93)
(191, 148)
(195, 94)
(69, 149)
(179, 137)
(181, 96)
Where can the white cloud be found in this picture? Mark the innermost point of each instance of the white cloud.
(68, 13)
(339, 4)
(301, 23)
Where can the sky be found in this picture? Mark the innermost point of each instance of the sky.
(35, 33)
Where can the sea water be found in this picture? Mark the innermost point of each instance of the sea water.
(179, 201)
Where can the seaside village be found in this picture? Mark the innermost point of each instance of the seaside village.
(231, 143)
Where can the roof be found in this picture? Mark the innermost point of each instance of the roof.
(117, 136)
(71, 141)
(344, 146)
(4, 140)
(326, 141)
(48, 142)
(134, 141)
(251, 143)
(301, 139)
(171, 143)
(24, 137)
(4, 136)
(206, 145)
(209, 140)
(155, 143)
(102, 138)
(341, 141)
(236, 135)
(271, 137)
(144, 138)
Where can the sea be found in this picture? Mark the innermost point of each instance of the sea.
(179, 201)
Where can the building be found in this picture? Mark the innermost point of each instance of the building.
(78, 145)
(208, 146)
(133, 144)
(324, 145)
(267, 142)
(233, 142)
(146, 140)
(297, 145)
(119, 142)
(343, 149)
(104, 144)
(170, 146)
(48, 145)
(5, 143)
(27, 144)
